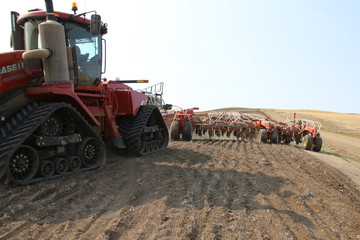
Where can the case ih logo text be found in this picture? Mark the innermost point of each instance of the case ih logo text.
(12, 68)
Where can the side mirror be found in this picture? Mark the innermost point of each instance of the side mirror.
(95, 24)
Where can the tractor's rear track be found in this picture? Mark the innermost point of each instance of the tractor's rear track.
(135, 131)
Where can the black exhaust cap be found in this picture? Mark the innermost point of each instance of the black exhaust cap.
(49, 10)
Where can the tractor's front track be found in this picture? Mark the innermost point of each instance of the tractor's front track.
(45, 141)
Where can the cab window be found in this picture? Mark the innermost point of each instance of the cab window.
(88, 51)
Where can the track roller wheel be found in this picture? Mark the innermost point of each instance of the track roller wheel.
(61, 166)
(318, 144)
(263, 136)
(175, 131)
(187, 131)
(273, 136)
(91, 152)
(74, 163)
(46, 169)
(23, 164)
(308, 142)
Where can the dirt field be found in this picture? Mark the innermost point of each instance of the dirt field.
(194, 190)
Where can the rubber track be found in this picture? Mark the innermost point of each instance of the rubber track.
(23, 124)
(11, 94)
(135, 127)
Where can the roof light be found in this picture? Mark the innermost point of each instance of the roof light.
(74, 7)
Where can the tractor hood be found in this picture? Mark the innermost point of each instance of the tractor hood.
(15, 72)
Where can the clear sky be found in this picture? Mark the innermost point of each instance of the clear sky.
(286, 54)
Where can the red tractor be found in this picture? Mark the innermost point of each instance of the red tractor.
(55, 109)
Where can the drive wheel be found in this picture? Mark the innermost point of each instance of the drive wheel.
(175, 131)
(308, 142)
(90, 152)
(318, 144)
(187, 131)
(23, 164)
(263, 136)
(59, 123)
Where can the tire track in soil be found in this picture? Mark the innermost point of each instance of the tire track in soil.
(263, 149)
(262, 231)
(206, 184)
(281, 202)
(95, 208)
(216, 228)
(288, 209)
(302, 205)
(118, 225)
(115, 224)
(329, 185)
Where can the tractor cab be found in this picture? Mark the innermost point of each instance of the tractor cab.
(84, 44)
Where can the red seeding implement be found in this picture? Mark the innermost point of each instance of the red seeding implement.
(243, 127)
(56, 111)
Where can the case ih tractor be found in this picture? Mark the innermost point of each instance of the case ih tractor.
(56, 111)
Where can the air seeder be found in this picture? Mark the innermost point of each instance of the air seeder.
(243, 127)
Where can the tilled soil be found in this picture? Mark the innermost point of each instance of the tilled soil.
(203, 189)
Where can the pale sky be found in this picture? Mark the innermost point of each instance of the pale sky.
(285, 54)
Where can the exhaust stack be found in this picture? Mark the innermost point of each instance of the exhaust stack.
(52, 39)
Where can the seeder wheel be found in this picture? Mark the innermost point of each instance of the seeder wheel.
(318, 144)
(175, 131)
(274, 137)
(263, 135)
(308, 142)
(187, 131)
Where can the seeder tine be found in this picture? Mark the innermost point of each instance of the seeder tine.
(218, 132)
(228, 132)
